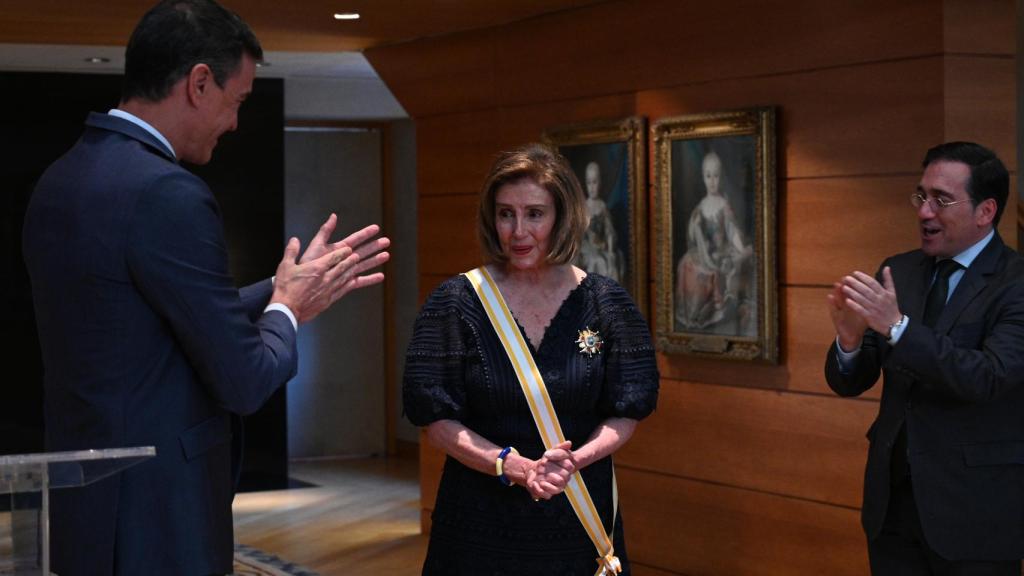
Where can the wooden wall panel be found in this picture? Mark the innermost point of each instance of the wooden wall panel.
(447, 235)
(981, 103)
(654, 45)
(806, 446)
(979, 26)
(460, 149)
(908, 112)
(859, 120)
(522, 124)
(624, 46)
(858, 222)
(1008, 225)
(645, 570)
(451, 73)
(701, 529)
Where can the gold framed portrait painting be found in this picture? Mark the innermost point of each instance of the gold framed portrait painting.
(715, 235)
(609, 159)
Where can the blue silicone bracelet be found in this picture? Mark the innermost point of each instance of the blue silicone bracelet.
(499, 463)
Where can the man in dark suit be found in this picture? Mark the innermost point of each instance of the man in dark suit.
(944, 486)
(145, 339)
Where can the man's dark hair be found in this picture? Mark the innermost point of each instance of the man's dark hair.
(174, 36)
(989, 178)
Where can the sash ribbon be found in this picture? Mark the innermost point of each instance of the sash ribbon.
(544, 416)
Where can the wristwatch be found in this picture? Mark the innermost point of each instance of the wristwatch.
(895, 326)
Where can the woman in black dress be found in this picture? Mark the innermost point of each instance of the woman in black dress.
(460, 384)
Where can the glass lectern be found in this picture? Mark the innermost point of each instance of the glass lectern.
(28, 479)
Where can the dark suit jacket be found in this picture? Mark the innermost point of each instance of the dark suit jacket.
(959, 388)
(145, 341)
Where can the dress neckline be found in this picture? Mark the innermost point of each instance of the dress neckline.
(563, 309)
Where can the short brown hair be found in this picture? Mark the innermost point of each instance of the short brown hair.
(174, 36)
(550, 171)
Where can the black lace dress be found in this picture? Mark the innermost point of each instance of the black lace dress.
(457, 369)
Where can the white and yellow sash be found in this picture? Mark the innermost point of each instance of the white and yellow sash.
(544, 415)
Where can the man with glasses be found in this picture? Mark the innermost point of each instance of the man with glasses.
(944, 486)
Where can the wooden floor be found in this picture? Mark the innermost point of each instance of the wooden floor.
(363, 517)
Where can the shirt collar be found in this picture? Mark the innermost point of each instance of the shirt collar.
(966, 257)
(144, 125)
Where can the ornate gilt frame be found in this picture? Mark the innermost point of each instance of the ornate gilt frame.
(631, 132)
(673, 335)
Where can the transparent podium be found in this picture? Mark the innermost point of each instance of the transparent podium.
(28, 479)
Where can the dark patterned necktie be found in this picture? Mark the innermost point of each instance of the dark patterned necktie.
(939, 293)
(935, 302)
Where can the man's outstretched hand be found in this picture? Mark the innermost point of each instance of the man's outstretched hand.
(327, 271)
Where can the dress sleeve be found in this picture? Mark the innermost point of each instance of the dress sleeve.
(433, 387)
(631, 372)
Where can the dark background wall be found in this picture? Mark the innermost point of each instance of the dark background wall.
(44, 116)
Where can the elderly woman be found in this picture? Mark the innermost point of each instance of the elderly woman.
(510, 497)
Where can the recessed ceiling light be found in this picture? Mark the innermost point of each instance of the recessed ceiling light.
(346, 16)
(97, 60)
(262, 64)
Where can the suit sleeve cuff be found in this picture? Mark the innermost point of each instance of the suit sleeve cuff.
(846, 359)
(287, 312)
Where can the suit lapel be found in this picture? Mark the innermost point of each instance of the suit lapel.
(975, 280)
(918, 280)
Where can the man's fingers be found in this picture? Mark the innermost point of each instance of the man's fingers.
(360, 236)
(291, 250)
(367, 263)
(863, 300)
(835, 302)
(853, 286)
(341, 259)
(373, 246)
(365, 281)
(350, 270)
(887, 279)
(326, 229)
(867, 279)
(356, 283)
(857, 308)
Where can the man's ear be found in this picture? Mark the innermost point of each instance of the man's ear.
(985, 212)
(198, 83)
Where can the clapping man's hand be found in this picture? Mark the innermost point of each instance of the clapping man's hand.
(326, 271)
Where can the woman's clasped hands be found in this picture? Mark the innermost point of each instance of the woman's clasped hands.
(548, 476)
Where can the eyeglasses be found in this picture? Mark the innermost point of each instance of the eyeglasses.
(937, 203)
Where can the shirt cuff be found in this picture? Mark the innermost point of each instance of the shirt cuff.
(846, 359)
(287, 312)
(899, 330)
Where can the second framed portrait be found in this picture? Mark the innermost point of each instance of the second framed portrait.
(715, 235)
(609, 160)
